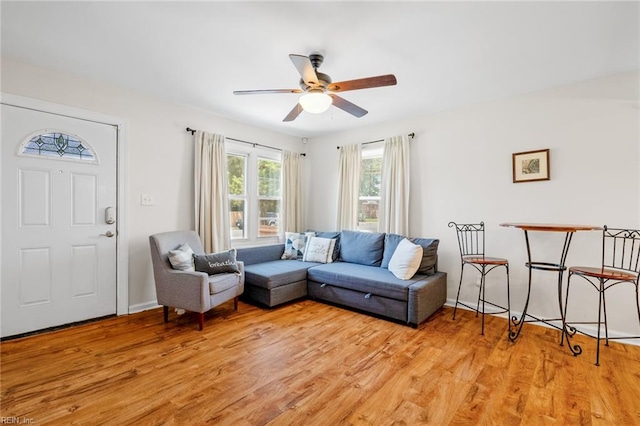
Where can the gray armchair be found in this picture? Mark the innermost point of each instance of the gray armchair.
(192, 291)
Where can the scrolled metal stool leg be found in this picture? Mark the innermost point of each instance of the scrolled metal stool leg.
(604, 307)
(508, 297)
(480, 291)
(515, 322)
(599, 324)
(483, 291)
(455, 308)
(638, 301)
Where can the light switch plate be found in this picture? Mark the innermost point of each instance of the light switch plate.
(146, 200)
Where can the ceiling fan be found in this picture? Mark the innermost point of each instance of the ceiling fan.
(318, 87)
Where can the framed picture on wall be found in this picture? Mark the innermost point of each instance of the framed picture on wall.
(530, 166)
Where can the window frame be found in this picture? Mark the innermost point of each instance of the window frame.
(21, 152)
(374, 150)
(244, 197)
(251, 218)
(260, 198)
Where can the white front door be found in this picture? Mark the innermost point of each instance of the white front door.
(58, 220)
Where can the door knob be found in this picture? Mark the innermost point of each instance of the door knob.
(108, 234)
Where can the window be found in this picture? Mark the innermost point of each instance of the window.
(254, 179)
(370, 179)
(236, 179)
(58, 145)
(269, 172)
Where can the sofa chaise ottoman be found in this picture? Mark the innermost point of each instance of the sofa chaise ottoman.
(274, 281)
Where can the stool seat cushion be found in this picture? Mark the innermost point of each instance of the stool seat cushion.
(607, 273)
(485, 260)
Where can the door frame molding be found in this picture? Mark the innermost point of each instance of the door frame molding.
(122, 238)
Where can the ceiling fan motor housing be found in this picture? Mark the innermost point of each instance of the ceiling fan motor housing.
(322, 84)
(316, 60)
(324, 80)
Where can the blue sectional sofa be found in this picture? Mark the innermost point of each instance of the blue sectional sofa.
(357, 276)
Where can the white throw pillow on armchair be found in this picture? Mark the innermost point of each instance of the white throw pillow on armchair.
(182, 258)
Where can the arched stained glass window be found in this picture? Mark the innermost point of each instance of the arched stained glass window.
(58, 145)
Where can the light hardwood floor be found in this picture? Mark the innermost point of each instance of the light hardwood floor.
(309, 363)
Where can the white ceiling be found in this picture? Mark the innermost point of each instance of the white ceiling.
(444, 54)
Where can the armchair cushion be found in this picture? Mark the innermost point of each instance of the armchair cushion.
(221, 282)
(217, 263)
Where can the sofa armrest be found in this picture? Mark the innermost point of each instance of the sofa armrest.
(184, 289)
(426, 296)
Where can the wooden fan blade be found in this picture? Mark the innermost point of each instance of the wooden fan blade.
(265, 91)
(295, 112)
(347, 106)
(306, 70)
(364, 83)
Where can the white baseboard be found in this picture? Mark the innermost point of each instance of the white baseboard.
(620, 337)
(140, 307)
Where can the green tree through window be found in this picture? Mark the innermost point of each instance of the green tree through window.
(235, 171)
(237, 184)
(369, 199)
(370, 176)
(269, 172)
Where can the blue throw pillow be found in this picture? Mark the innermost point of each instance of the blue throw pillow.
(391, 241)
(364, 248)
(429, 255)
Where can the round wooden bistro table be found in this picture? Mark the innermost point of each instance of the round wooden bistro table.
(515, 324)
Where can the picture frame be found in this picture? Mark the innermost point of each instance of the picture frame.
(530, 166)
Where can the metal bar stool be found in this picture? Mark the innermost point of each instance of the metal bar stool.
(471, 244)
(620, 264)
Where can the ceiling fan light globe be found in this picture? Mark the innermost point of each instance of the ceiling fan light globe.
(315, 103)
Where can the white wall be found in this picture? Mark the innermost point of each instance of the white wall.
(159, 152)
(461, 171)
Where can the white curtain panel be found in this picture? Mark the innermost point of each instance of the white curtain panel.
(292, 214)
(394, 188)
(349, 186)
(211, 197)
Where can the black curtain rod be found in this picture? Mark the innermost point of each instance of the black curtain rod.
(411, 135)
(193, 132)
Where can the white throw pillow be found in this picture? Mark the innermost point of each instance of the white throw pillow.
(319, 250)
(182, 258)
(405, 260)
